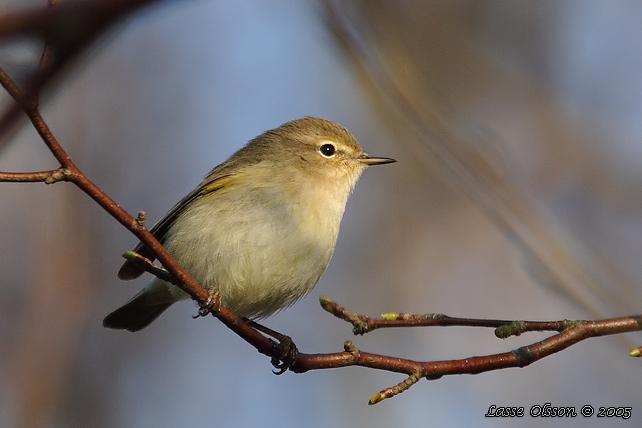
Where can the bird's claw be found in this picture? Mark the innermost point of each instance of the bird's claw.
(287, 358)
(211, 305)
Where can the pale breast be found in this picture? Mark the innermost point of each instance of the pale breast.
(263, 249)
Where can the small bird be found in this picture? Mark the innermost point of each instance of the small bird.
(261, 228)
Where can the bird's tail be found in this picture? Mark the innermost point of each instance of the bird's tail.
(144, 308)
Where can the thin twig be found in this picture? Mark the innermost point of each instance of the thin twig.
(145, 263)
(504, 328)
(48, 177)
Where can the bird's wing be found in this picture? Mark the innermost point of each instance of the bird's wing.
(130, 270)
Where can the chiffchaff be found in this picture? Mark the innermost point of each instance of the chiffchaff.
(262, 226)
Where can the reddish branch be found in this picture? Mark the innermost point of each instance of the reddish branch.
(570, 333)
(45, 22)
(103, 12)
(520, 357)
(503, 328)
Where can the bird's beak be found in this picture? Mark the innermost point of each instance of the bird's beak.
(367, 160)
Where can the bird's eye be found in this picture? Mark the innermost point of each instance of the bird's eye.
(327, 150)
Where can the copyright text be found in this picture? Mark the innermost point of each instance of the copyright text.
(547, 410)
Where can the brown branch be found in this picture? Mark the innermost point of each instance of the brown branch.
(183, 279)
(150, 267)
(503, 328)
(571, 332)
(48, 23)
(574, 332)
(48, 177)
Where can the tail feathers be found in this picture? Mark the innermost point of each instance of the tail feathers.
(140, 311)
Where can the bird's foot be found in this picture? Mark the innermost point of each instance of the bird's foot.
(287, 357)
(210, 306)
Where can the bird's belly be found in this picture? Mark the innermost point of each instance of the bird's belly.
(260, 262)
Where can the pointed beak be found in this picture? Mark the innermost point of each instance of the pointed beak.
(367, 160)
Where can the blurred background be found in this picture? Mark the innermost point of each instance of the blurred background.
(516, 195)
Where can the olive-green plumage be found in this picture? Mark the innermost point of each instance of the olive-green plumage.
(261, 228)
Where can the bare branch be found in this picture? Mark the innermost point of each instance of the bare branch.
(98, 14)
(574, 332)
(48, 177)
(504, 328)
(150, 267)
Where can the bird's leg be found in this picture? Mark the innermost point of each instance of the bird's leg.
(290, 351)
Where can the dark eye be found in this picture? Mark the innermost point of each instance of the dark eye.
(327, 150)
